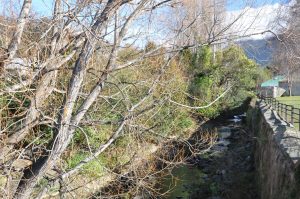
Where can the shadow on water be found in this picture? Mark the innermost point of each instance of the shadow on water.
(226, 171)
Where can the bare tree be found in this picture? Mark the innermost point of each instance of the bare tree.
(16, 40)
(87, 67)
(286, 55)
(44, 77)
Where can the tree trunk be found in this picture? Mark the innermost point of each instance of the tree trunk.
(63, 135)
(16, 40)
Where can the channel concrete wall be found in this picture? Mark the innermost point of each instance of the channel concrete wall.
(277, 153)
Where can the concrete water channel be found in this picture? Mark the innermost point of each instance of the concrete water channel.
(225, 172)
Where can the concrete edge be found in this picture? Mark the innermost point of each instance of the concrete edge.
(287, 137)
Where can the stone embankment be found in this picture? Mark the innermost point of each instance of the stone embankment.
(277, 153)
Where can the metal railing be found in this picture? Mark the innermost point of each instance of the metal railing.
(287, 112)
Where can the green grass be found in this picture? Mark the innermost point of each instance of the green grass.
(295, 101)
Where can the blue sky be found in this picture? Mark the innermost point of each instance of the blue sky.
(44, 7)
(240, 4)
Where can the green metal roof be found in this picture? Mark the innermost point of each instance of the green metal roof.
(273, 82)
(270, 83)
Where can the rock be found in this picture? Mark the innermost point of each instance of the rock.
(21, 164)
(224, 132)
(217, 178)
(224, 143)
(205, 176)
(223, 172)
(52, 173)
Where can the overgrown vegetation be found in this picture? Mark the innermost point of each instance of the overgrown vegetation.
(212, 74)
(157, 119)
(81, 101)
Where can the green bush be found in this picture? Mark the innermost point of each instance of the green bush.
(211, 77)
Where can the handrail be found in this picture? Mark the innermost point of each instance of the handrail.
(287, 112)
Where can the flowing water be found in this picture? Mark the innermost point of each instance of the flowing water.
(225, 172)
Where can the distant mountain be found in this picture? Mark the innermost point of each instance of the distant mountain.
(260, 50)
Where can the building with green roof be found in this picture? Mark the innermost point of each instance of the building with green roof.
(273, 82)
(270, 88)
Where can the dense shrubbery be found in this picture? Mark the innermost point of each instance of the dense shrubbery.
(157, 118)
(163, 119)
(212, 75)
(79, 99)
(192, 78)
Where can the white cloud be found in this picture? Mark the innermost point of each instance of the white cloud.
(247, 21)
(255, 20)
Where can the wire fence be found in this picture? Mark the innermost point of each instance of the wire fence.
(289, 113)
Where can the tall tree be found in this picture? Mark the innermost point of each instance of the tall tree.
(286, 55)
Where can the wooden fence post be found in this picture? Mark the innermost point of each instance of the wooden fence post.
(285, 110)
(299, 119)
(292, 115)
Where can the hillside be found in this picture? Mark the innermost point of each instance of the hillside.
(260, 50)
